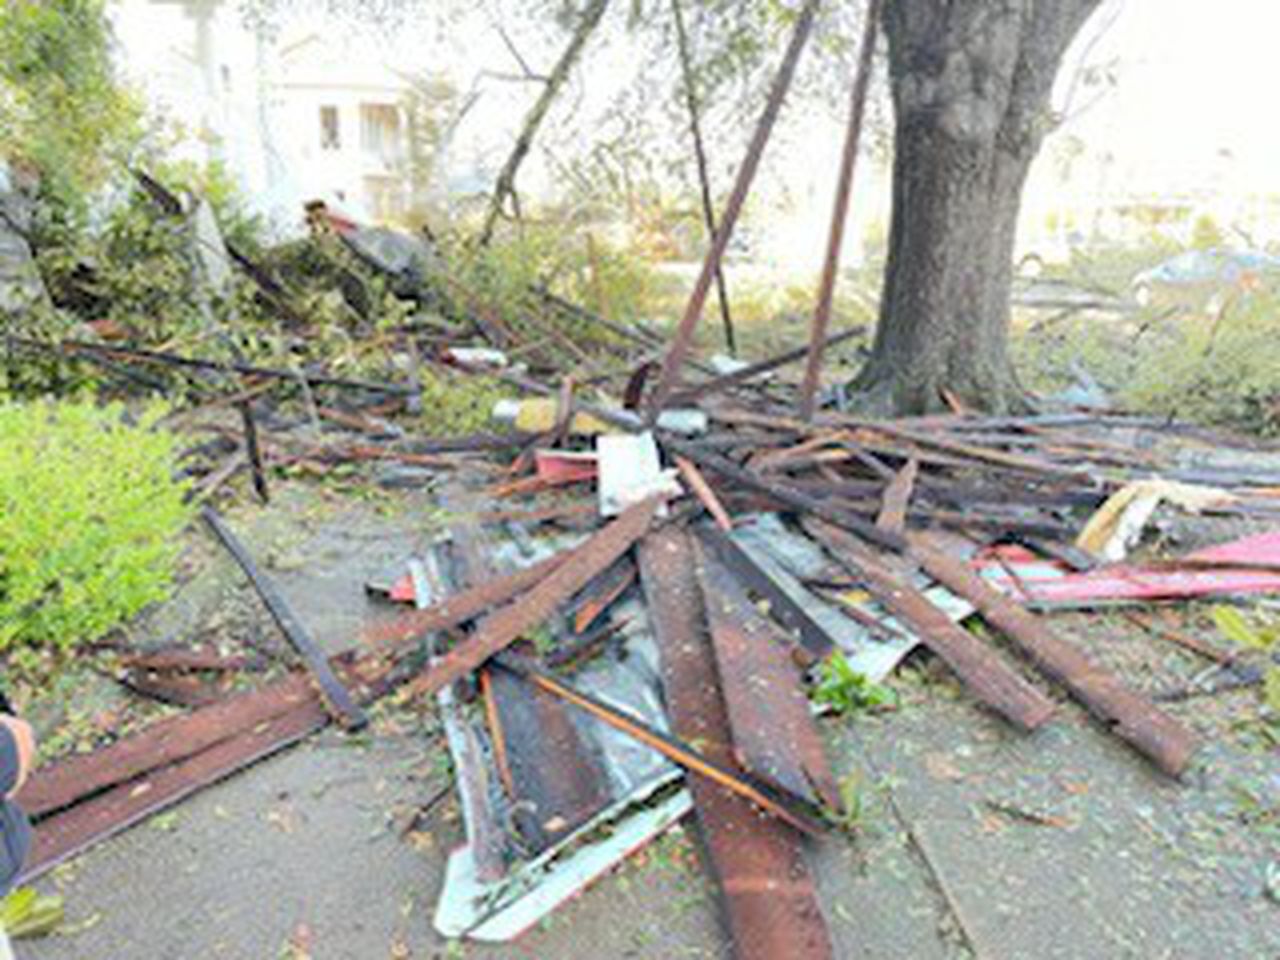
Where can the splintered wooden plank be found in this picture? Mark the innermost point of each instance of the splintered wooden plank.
(769, 715)
(897, 498)
(768, 893)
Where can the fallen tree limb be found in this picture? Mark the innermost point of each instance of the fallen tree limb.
(506, 183)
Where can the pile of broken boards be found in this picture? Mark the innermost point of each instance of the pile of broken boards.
(619, 675)
(625, 635)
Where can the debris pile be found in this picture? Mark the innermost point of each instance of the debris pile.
(624, 616)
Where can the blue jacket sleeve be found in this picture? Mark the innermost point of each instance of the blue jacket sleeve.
(8, 761)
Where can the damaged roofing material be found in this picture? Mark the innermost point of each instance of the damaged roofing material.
(768, 893)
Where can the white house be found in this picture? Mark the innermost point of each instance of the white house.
(344, 127)
(293, 117)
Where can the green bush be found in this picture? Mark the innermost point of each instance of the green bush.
(61, 108)
(502, 274)
(89, 517)
(1222, 370)
(1219, 369)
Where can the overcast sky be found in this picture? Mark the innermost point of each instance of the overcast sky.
(1187, 111)
(1194, 80)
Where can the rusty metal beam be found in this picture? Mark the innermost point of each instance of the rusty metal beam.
(166, 741)
(175, 689)
(683, 338)
(336, 695)
(787, 495)
(704, 174)
(463, 606)
(601, 594)
(758, 369)
(839, 213)
(988, 677)
(533, 608)
(813, 643)
(555, 784)
(767, 891)
(180, 659)
(1134, 718)
(120, 807)
(701, 489)
(769, 714)
(691, 758)
(85, 799)
(155, 356)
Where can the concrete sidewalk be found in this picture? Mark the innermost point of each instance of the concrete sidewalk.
(972, 840)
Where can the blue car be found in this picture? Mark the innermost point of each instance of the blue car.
(1211, 273)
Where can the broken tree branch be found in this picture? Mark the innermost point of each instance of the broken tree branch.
(506, 183)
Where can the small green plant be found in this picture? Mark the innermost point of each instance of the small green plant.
(89, 517)
(1239, 629)
(845, 690)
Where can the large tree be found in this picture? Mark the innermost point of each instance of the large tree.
(971, 83)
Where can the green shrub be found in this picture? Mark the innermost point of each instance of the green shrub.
(502, 275)
(61, 108)
(89, 518)
(456, 404)
(1221, 370)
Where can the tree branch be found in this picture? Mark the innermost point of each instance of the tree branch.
(506, 183)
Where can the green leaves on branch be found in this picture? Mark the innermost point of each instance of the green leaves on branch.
(61, 109)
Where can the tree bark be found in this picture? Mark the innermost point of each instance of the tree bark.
(506, 183)
(971, 83)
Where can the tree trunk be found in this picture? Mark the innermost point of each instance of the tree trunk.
(971, 83)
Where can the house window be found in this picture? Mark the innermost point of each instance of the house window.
(330, 131)
(380, 130)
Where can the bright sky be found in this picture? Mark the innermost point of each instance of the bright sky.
(1187, 113)
(1194, 79)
